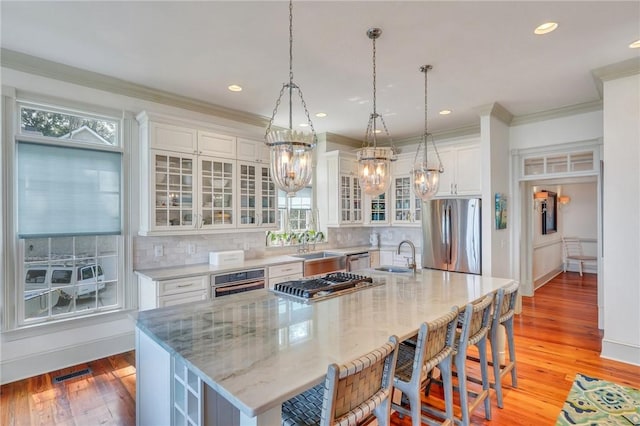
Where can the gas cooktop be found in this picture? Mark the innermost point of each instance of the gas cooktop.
(314, 289)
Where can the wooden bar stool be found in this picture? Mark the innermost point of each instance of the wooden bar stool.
(433, 347)
(351, 393)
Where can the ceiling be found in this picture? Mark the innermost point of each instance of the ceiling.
(482, 52)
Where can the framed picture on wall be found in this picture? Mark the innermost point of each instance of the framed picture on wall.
(550, 213)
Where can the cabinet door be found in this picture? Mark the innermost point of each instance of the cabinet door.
(356, 204)
(378, 209)
(216, 145)
(177, 299)
(250, 150)
(257, 195)
(172, 138)
(217, 192)
(346, 199)
(172, 195)
(402, 200)
(469, 171)
(448, 178)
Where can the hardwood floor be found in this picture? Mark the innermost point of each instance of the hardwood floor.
(556, 337)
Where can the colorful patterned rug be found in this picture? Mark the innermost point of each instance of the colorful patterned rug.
(598, 402)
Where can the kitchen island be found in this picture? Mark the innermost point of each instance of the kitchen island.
(234, 360)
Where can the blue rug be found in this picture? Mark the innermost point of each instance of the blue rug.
(598, 402)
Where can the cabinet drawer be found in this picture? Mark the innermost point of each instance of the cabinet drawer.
(182, 285)
(176, 299)
(286, 269)
(285, 278)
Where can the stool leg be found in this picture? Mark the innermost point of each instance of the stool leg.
(495, 358)
(484, 370)
(508, 325)
(461, 369)
(445, 370)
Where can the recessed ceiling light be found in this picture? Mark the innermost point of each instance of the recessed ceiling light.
(304, 124)
(321, 114)
(635, 44)
(545, 28)
(378, 131)
(445, 112)
(235, 88)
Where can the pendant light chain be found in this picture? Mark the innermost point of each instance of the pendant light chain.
(371, 133)
(291, 86)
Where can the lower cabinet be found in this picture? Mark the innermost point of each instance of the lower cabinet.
(157, 294)
(282, 273)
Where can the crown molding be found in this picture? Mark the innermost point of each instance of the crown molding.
(496, 110)
(457, 133)
(342, 140)
(55, 70)
(558, 112)
(614, 71)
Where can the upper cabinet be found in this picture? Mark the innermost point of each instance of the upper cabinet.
(462, 171)
(344, 203)
(252, 150)
(192, 182)
(406, 206)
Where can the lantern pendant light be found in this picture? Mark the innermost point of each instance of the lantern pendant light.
(374, 162)
(291, 150)
(426, 176)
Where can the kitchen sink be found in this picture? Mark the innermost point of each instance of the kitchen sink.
(394, 269)
(315, 255)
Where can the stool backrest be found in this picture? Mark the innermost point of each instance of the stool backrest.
(505, 306)
(476, 320)
(353, 390)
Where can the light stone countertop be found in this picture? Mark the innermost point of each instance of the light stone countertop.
(258, 349)
(175, 272)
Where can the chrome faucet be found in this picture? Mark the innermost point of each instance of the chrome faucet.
(410, 264)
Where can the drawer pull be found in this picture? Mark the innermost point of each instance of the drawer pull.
(184, 285)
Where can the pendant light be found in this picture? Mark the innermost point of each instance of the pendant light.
(426, 176)
(374, 162)
(291, 150)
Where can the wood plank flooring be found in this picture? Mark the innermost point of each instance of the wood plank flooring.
(556, 337)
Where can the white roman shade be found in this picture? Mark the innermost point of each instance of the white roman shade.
(67, 191)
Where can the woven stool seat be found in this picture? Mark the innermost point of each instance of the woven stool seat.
(351, 393)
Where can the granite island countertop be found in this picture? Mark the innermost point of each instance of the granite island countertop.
(258, 349)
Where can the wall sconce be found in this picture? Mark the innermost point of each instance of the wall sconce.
(540, 201)
(564, 199)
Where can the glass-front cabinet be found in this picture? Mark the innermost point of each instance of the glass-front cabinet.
(350, 199)
(173, 190)
(258, 196)
(216, 190)
(406, 206)
(378, 209)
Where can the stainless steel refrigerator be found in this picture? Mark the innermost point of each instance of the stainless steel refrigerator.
(451, 235)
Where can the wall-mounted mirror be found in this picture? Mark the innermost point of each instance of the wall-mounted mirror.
(550, 213)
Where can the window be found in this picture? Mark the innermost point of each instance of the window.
(299, 211)
(68, 222)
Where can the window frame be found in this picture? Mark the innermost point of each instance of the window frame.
(14, 267)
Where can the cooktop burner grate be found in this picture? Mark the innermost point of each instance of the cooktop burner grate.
(328, 284)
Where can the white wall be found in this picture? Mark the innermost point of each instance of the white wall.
(621, 220)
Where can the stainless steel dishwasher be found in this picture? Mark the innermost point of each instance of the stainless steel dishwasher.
(358, 261)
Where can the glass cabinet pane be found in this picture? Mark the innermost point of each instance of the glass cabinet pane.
(533, 166)
(173, 191)
(582, 161)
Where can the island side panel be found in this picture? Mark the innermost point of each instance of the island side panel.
(153, 382)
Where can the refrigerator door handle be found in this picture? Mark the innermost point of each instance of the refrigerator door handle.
(447, 224)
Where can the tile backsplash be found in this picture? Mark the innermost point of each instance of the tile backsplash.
(193, 249)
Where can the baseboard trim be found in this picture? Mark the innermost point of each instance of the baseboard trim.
(542, 280)
(618, 351)
(40, 363)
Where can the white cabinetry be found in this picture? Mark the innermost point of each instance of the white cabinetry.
(285, 272)
(462, 171)
(406, 207)
(157, 294)
(252, 150)
(377, 209)
(190, 180)
(342, 189)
